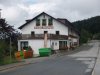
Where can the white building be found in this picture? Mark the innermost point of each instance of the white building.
(47, 31)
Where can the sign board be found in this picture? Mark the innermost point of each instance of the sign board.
(43, 27)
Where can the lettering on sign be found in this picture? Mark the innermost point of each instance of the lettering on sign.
(43, 27)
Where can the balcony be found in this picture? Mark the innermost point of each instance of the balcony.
(41, 36)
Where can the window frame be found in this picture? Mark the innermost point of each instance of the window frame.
(57, 32)
(44, 22)
(37, 22)
(50, 22)
(24, 44)
(32, 33)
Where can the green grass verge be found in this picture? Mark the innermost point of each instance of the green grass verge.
(7, 60)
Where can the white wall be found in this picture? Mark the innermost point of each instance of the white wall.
(35, 45)
(75, 40)
(56, 44)
(57, 26)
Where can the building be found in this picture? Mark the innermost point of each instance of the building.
(47, 31)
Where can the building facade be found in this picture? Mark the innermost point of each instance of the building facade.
(47, 31)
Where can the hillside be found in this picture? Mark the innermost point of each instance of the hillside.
(90, 28)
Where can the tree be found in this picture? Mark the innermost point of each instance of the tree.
(89, 28)
(6, 32)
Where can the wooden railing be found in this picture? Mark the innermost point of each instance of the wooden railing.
(41, 36)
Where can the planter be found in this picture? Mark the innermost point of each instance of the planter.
(24, 54)
(18, 56)
(28, 54)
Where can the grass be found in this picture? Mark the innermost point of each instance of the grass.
(7, 60)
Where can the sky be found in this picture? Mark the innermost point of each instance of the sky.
(17, 11)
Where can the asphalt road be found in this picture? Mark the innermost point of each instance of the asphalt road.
(80, 62)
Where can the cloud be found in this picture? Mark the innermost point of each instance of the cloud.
(17, 11)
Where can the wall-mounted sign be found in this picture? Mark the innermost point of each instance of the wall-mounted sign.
(43, 27)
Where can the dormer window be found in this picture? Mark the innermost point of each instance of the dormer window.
(37, 22)
(50, 22)
(43, 22)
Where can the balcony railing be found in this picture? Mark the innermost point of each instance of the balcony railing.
(41, 36)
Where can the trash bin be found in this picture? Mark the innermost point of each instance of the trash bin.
(44, 51)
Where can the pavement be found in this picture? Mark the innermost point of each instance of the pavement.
(85, 62)
(96, 70)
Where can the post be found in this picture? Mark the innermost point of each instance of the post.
(10, 50)
(45, 40)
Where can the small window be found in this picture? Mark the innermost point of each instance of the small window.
(24, 45)
(44, 22)
(55, 43)
(32, 33)
(57, 32)
(50, 22)
(38, 22)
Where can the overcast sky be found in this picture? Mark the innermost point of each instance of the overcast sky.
(17, 11)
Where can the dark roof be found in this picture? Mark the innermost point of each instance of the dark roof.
(66, 22)
(61, 20)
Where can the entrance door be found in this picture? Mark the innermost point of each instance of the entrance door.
(62, 45)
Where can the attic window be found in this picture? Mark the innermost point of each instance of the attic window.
(50, 22)
(44, 22)
(37, 22)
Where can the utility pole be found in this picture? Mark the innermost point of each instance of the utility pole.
(10, 49)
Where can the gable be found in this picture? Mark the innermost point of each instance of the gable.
(56, 26)
(43, 13)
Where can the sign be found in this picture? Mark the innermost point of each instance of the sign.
(43, 27)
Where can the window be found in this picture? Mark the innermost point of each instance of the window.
(24, 45)
(44, 22)
(55, 43)
(38, 22)
(32, 33)
(45, 32)
(50, 22)
(57, 32)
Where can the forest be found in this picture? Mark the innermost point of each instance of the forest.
(88, 29)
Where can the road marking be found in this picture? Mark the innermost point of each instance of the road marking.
(84, 58)
(91, 66)
(88, 70)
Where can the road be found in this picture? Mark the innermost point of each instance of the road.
(80, 62)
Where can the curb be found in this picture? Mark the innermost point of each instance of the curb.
(22, 64)
(93, 71)
(14, 66)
